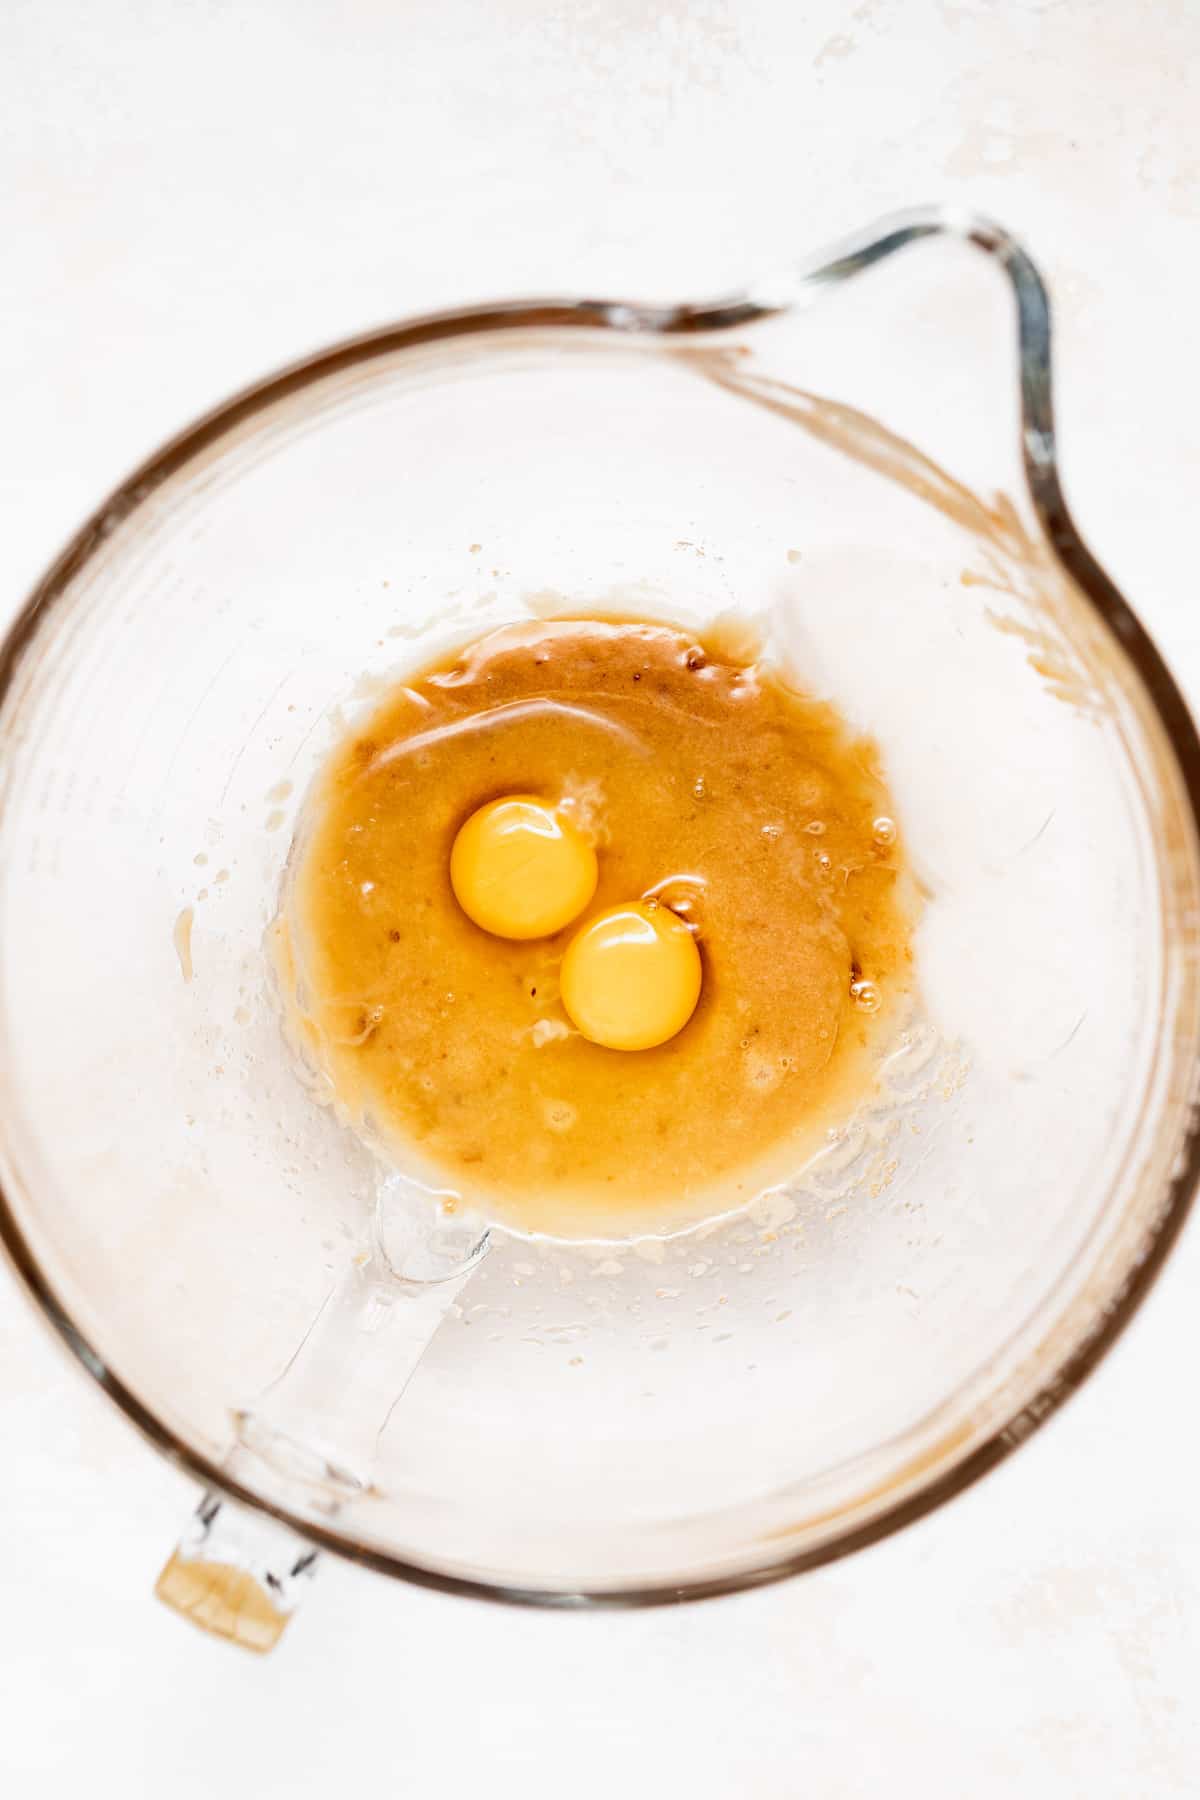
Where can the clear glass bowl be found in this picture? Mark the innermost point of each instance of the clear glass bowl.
(850, 463)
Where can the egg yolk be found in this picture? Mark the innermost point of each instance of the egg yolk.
(519, 869)
(631, 977)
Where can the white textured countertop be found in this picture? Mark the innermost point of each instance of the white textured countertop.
(193, 193)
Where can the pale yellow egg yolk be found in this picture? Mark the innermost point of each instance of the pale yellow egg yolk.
(631, 977)
(520, 869)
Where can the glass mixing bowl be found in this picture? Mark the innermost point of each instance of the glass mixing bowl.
(849, 463)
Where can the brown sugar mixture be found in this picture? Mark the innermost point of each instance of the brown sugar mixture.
(751, 812)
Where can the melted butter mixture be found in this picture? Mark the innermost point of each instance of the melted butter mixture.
(705, 784)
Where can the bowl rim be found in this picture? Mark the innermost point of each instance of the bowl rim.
(874, 244)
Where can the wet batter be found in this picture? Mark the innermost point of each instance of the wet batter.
(695, 783)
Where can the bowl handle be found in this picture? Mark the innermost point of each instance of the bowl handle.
(237, 1574)
(313, 1432)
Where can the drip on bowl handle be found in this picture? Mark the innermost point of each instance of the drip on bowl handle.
(237, 1574)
